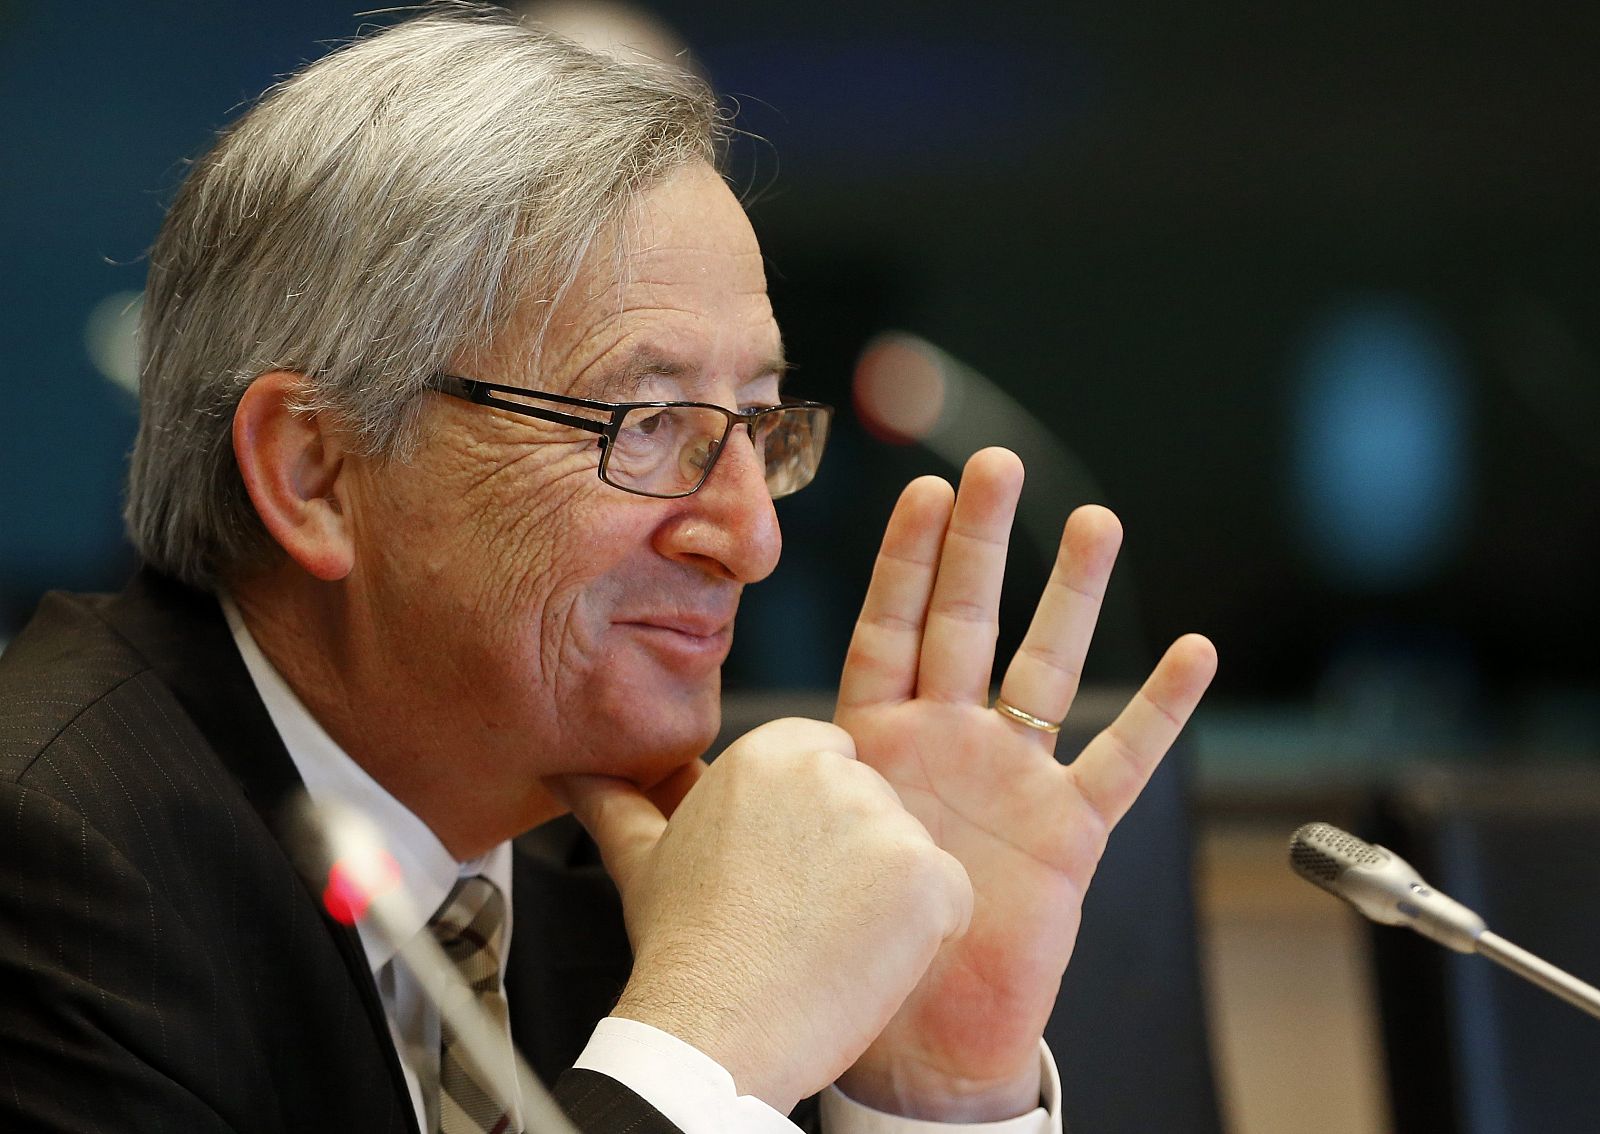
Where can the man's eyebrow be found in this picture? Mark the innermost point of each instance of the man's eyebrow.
(629, 374)
(779, 366)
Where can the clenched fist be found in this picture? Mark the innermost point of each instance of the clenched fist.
(783, 912)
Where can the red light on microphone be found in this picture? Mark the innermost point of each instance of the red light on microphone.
(353, 885)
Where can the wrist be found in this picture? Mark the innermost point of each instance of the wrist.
(720, 1030)
(936, 1096)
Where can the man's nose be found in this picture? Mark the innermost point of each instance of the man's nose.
(729, 527)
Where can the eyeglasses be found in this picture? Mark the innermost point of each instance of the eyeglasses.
(668, 449)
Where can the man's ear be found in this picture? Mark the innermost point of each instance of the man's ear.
(295, 469)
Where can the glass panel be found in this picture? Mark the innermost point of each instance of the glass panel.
(665, 450)
(791, 440)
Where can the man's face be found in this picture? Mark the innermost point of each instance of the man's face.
(539, 620)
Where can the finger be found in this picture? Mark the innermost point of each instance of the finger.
(797, 734)
(957, 656)
(948, 880)
(1116, 765)
(881, 665)
(623, 822)
(959, 896)
(669, 792)
(1043, 677)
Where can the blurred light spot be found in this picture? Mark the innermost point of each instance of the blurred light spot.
(620, 30)
(111, 336)
(345, 900)
(354, 882)
(1379, 443)
(899, 389)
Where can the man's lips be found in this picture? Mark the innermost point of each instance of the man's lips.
(691, 626)
(689, 646)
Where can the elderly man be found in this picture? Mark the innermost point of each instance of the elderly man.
(461, 430)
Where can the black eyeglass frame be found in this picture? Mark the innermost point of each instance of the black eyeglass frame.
(483, 393)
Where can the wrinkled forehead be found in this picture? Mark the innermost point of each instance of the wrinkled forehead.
(672, 295)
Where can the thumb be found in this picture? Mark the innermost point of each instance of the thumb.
(623, 822)
(669, 793)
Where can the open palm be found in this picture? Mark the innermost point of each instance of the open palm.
(1029, 830)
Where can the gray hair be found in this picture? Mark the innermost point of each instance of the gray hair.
(386, 208)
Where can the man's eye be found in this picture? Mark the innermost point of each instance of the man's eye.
(648, 425)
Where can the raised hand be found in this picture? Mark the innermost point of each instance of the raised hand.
(987, 786)
(783, 912)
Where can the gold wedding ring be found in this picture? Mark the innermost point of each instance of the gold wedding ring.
(1027, 719)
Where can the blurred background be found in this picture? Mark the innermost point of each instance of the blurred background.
(1308, 293)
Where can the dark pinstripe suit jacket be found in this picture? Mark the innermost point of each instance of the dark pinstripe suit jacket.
(163, 967)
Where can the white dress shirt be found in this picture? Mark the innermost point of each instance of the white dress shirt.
(693, 1091)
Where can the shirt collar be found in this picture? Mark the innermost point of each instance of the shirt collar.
(331, 776)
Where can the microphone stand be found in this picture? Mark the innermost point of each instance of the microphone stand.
(1535, 970)
(1385, 888)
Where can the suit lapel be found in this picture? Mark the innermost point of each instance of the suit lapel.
(185, 638)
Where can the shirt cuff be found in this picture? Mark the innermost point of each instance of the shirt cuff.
(691, 1090)
(843, 1115)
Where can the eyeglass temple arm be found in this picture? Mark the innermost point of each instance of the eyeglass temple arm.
(481, 394)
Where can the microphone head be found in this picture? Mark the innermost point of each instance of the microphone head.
(1381, 885)
(1320, 852)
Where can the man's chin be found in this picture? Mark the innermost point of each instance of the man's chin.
(670, 755)
(684, 708)
(648, 746)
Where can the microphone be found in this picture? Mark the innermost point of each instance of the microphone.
(1382, 885)
(364, 885)
(1385, 888)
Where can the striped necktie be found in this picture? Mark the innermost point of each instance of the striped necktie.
(469, 927)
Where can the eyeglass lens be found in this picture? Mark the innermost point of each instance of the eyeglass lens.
(667, 450)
